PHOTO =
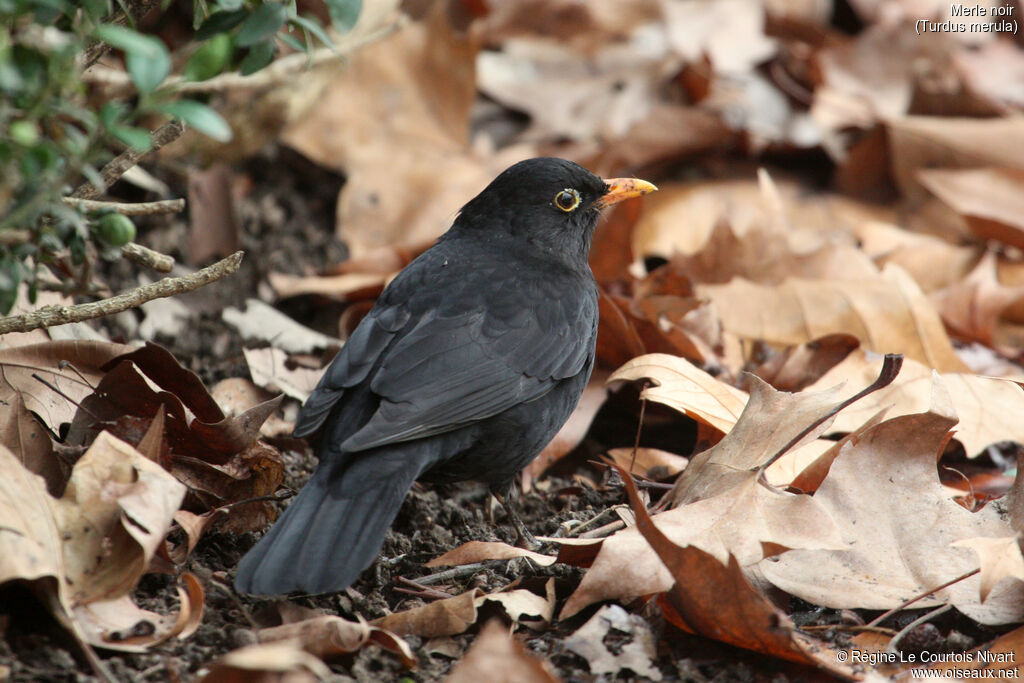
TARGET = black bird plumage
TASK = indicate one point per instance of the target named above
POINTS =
(466, 367)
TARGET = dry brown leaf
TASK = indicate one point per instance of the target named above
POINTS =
(457, 614)
(990, 199)
(115, 512)
(883, 493)
(496, 657)
(1000, 558)
(714, 599)
(30, 542)
(988, 408)
(888, 314)
(769, 422)
(119, 624)
(997, 659)
(634, 655)
(568, 94)
(797, 367)
(265, 323)
(328, 636)
(680, 218)
(441, 618)
(283, 662)
(972, 307)
(29, 442)
(478, 551)
(651, 463)
(934, 263)
(682, 386)
(269, 369)
(395, 121)
(18, 364)
(749, 520)
(722, 508)
(343, 287)
(920, 142)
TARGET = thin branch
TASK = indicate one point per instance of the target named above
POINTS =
(50, 316)
(277, 72)
(890, 368)
(139, 8)
(10, 238)
(148, 258)
(119, 165)
(882, 617)
(129, 209)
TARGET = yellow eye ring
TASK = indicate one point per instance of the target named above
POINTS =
(567, 200)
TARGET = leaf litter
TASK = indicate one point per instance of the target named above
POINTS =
(886, 223)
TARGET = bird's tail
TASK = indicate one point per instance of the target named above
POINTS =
(334, 528)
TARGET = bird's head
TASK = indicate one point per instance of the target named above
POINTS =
(553, 203)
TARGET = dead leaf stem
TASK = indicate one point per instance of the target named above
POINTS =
(878, 620)
(51, 316)
(890, 368)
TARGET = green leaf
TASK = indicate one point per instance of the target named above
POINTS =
(229, 5)
(314, 28)
(133, 137)
(147, 58)
(344, 13)
(220, 22)
(259, 56)
(264, 21)
(10, 276)
(147, 73)
(210, 59)
(132, 42)
(199, 116)
(292, 42)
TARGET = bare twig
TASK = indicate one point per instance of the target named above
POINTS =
(50, 316)
(453, 573)
(10, 238)
(882, 617)
(144, 256)
(138, 8)
(890, 368)
(167, 133)
(129, 209)
(277, 72)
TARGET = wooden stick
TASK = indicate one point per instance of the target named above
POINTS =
(51, 316)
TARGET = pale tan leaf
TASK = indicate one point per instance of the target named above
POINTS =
(681, 385)
(889, 474)
(990, 199)
(972, 307)
(496, 657)
(988, 408)
(115, 513)
(1000, 558)
(52, 361)
(479, 551)
(888, 314)
(268, 663)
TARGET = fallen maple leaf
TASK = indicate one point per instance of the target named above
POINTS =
(713, 598)
(987, 407)
(888, 314)
(496, 657)
(883, 493)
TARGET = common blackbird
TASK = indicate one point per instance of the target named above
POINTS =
(466, 367)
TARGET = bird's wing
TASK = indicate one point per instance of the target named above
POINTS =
(352, 365)
(476, 355)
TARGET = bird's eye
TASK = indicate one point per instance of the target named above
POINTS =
(567, 200)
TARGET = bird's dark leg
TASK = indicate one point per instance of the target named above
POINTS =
(506, 494)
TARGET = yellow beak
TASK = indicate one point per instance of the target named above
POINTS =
(623, 188)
